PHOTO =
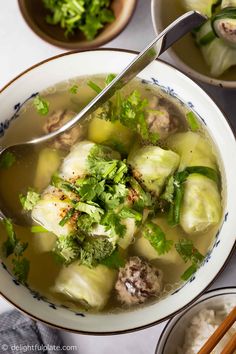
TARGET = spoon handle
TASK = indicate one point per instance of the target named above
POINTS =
(159, 45)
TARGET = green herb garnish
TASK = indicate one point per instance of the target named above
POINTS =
(38, 229)
(94, 250)
(41, 105)
(110, 78)
(114, 261)
(192, 121)
(157, 238)
(29, 200)
(94, 86)
(88, 16)
(67, 249)
(74, 89)
(7, 160)
(14, 247)
(189, 253)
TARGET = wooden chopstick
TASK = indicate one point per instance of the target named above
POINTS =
(219, 334)
(230, 347)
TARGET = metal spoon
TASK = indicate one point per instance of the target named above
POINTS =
(159, 45)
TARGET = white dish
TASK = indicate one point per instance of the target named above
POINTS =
(71, 65)
(173, 334)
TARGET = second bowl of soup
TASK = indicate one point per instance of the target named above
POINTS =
(126, 218)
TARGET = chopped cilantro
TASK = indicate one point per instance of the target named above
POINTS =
(74, 89)
(94, 250)
(94, 86)
(112, 222)
(114, 261)
(14, 247)
(142, 199)
(92, 209)
(21, 267)
(192, 121)
(41, 105)
(86, 16)
(189, 253)
(168, 194)
(130, 213)
(110, 78)
(10, 244)
(7, 159)
(67, 217)
(38, 229)
(29, 200)
(189, 272)
(67, 249)
(154, 234)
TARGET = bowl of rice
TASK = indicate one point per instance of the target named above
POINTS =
(188, 332)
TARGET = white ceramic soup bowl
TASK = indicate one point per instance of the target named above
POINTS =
(169, 79)
(173, 334)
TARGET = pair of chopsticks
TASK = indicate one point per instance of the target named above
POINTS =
(219, 333)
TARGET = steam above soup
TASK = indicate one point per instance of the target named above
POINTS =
(123, 207)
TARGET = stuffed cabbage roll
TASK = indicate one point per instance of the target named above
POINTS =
(224, 24)
(194, 150)
(152, 165)
(201, 208)
(49, 211)
(76, 163)
(218, 54)
(88, 285)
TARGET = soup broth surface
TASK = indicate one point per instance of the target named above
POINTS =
(44, 268)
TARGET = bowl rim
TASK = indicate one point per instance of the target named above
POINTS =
(206, 295)
(130, 330)
(73, 45)
(180, 64)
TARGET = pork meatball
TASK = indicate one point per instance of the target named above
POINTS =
(160, 120)
(138, 281)
(58, 119)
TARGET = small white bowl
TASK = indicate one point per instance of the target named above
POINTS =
(157, 9)
(70, 65)
(174, 332)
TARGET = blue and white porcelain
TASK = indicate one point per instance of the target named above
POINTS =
(64, 68)
(174, 332)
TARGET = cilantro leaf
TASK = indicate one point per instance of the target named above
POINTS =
(41, 105)
(189, 272)
(110, 78)
(112, 221)
(13, 246)
(29, 200)
(7, 160)
(74, 89)
(130, 213)
(154, 234)
(188, 252)
(114, 261)
(92, 209)
(192, 121)
(21, 267)
(10, 244)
